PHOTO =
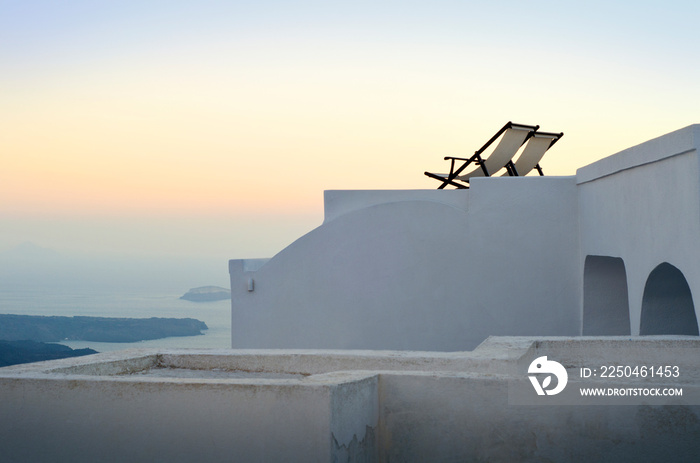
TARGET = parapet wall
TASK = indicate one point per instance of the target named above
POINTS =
(419, 270)
(353, 406)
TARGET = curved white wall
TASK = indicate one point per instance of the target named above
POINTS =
(411, 271)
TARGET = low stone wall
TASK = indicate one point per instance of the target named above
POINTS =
(310, 405)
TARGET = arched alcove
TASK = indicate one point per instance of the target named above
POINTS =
(605, 298)
(667, 304)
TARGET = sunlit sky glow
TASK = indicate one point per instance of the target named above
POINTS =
(166, 124)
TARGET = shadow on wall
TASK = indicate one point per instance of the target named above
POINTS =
(667, 304)
(605, 297)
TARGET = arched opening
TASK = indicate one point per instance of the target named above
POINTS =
(605, 299)
(667, 304)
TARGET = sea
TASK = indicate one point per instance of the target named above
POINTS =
(126, 304)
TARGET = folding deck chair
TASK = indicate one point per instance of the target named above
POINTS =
(532, 154)
(513, 137)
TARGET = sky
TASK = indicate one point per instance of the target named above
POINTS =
(211, 128)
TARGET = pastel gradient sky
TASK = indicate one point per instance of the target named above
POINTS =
(213, 127)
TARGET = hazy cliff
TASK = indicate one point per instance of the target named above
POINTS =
(15, 352)
(207, 293)
(98, 329)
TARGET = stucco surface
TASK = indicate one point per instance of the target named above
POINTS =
(354, 406)
(646, 211)
(420, 274)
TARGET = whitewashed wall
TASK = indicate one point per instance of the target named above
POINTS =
(643, 205)
(419, 270)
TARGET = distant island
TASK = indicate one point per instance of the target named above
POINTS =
(15, 352)
(96, 329)
(206, 294)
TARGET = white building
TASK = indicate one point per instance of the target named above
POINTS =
(612, 250)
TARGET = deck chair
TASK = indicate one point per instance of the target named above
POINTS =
(532, 154)
(512, 138)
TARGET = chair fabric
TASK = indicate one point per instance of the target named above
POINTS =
(533, 153)
(511, 141)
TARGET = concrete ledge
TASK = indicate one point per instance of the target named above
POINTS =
(325, 405)
(340, 202)
(672, 144)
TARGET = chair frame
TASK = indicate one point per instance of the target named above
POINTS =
(477, 159)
